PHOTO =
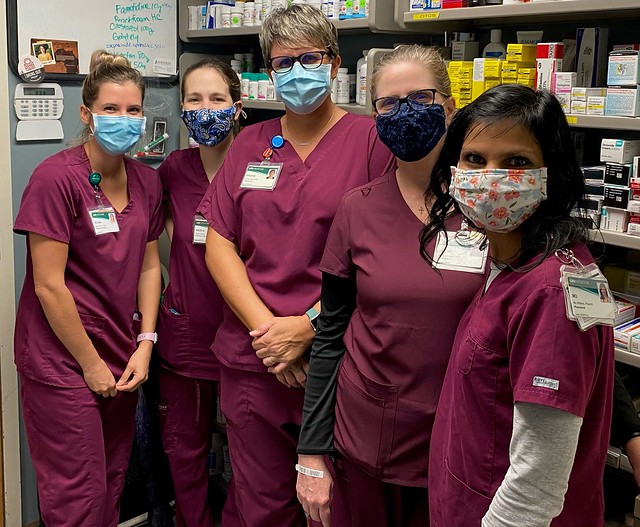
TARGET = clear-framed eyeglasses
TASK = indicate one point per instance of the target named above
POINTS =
(309, 61)
(416, 100)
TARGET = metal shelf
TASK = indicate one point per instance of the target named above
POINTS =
(276, 105)
(626, 357)
(529, 13)
(606, 122)
(615, 238)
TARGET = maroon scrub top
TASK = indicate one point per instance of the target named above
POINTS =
(515, 332)
(192, 308)
(102, 272)
(399, 338)
(281, 233)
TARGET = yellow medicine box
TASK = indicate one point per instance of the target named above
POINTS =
(521, 52)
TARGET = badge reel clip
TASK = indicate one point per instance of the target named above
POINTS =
(264, 175)
(588, 299)
(102, 218)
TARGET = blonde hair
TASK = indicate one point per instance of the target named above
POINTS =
(105, 67)
(429, 57)
(296, 26)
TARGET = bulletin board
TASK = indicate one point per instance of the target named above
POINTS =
(144, 31)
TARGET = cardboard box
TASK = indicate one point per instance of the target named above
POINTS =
(596, 105)
(619, 150)
(623, 68)
(623, 334)
(582, 94)
(591, 59)
(549, 50)
(636, 167)
(594, 172)
(614, 219)
(623, 102)
(578, 107)
(565, 101)
(463, 51)
(545, 70)
(484, 69)
(616, 197)
(522, 52)
(563, 81)
(617, 174)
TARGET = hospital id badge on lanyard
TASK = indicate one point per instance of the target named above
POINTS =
(103, 218)
(264, 175)
(460, 251)
(588, 299)
(200, 229)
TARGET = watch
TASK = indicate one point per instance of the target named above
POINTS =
(153, 337)
(313, 313)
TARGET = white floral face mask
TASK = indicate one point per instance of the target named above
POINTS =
(498, 200)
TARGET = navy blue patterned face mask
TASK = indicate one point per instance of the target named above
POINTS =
(209, 127)
(411, 134)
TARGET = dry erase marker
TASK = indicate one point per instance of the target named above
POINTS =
(156, 142)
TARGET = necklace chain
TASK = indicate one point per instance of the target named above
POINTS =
(312, 140)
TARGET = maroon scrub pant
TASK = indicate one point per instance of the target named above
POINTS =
(187, 415)
(375, 502)
(80, 445)
(263, 423)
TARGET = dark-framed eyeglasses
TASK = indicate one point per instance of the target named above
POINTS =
(309, 61)
(416, 99)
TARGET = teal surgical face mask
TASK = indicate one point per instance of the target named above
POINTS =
(116, 134)
(303, 90)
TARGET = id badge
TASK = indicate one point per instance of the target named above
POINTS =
(460, 253)
(590, 297)
(103, 220)
(200, 229)
(261, 176)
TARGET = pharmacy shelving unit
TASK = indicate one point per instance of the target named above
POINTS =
(381, 19)
(529, 13)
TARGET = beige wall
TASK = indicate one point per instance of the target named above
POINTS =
(8, 383)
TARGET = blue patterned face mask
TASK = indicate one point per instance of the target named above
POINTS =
(117, 134)
(411, 134)
(209, 127)
(303, 90)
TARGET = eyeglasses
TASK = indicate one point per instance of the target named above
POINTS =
(309, 61)
(416, 100)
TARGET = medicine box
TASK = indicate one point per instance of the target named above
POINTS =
(591, 57)
(623, 102)
(522, 52)
(616, 197)
(421, 5)
(636, 167)
(623, 68)
(596, 105)
(622, 334)
(594, 172)
(578, 107)
(617, 174)
(464, 50)
(563, 81)
(582, 94)
(619, 150)
(549, 50)
(565, 101)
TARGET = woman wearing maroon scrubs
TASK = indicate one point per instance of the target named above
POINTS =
(87, 313)
(388, 319)
(192, 308)
(264, 244)
(522, 427)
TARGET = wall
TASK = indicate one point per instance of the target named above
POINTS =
(24, 158)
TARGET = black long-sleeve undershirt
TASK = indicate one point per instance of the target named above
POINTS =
(338, 300)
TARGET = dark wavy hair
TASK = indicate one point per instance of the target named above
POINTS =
(551, 227)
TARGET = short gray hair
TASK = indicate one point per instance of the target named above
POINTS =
(429, 57)
(297, 26)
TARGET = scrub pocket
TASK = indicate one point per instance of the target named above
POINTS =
(476, 501)
(174, 338)
(94, 326)
(365, 419)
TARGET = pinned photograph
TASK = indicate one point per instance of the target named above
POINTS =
(43, 51)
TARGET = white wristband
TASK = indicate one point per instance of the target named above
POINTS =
(310, 471)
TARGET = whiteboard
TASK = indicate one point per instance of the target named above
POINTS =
(144, 31)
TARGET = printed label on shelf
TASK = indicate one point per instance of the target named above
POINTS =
(426, 16)
(572, 119)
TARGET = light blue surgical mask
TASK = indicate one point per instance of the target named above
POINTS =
(116, 134)
(303, 90)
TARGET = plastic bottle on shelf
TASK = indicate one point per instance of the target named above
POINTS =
(236, 14)
(248, 15)
(236, 65)
(362, 60)
(495, 49)
(352, 87)
(334, 90)
(342, 96)
(244, 85)
(362, 84)
(263, 86)
(257, 15)
(248, 62)
(253, 86)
